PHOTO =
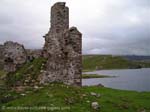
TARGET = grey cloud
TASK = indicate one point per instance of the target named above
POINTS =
(108, 27)
(21, 21)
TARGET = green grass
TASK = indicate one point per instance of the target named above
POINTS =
(79, 99)
(2, 75)
(87, 76)
(93, 62)
(121, 101)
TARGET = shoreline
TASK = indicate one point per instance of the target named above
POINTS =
(84, 71)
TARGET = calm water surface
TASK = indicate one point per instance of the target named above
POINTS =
(128, 79)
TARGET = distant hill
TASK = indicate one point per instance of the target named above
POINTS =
(98, 62)
(137, 58)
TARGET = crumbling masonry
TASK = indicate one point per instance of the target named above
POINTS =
(14, 56)
(62, 49)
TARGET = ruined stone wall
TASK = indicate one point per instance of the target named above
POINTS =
(62, 48)
(72, 51)
(33, 53)
(14, 56)
(59, 23)
(1, 57)
(59, 17)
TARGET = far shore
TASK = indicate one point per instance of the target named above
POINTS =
(87, 76)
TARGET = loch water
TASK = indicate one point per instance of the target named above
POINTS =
(126, 79)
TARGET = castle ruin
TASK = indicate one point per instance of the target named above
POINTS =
(62, 48)
(14, 56)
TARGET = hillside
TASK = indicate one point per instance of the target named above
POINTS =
(63, 98)
(137, 58)
(98, 62)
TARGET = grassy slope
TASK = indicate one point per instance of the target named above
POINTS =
(90, 62)
(58, 95)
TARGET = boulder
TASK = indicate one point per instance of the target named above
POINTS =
(95, 106)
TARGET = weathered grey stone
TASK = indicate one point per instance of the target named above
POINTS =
(33, 53)
(36, 87)
(95, 94)
(62, 49)
(1, 56)
(23, 94)
(100, 85)
(14, 56)
(95, 106)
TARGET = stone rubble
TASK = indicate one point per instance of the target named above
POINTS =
(95, 94)
(95, 105)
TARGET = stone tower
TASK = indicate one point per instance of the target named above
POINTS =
(59, 17)
(62, 49)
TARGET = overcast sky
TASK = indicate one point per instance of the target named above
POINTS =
(108, 26)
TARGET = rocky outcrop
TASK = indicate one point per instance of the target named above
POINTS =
(95, 106)
(14, 56)
(62, 48)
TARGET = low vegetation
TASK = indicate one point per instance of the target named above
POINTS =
(2, 73)
(87, 76)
